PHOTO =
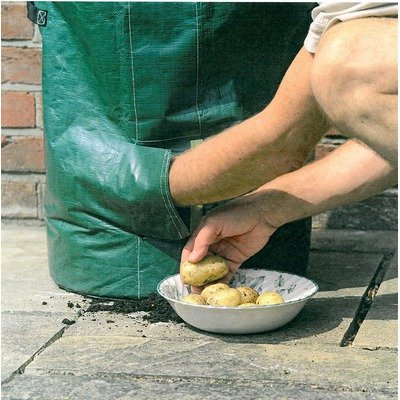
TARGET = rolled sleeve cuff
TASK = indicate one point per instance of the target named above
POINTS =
(328, 14)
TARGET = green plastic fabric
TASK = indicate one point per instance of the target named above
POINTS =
(126, 85)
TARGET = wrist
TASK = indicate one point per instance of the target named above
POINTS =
(278, 206)
(183, 191)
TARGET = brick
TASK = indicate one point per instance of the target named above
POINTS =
(23, 154)
(18, 199)
(21, 65)
(18, 110)
(14, 23)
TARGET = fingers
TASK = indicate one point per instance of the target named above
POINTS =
(231, 253)
(199, 243)
(226, 279)
(196, 289)
(189, 244)
(185, 253)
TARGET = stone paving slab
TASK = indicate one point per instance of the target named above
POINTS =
(25, 279)
(325, 317)
(380, 328)
(22, 336)
(313, 322)
(24, 295)
(320, 365)
(336, 270)
(354, 241)
(33, 307)
(121, 387)
(103, 354)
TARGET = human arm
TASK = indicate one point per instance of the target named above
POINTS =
(240, 228)
(273, 142)
(351, 83)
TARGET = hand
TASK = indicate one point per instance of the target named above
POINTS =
(236, 231)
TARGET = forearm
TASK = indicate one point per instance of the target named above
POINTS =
(272, 143)
(351, 173)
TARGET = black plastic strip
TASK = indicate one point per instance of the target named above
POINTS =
(37, 16)
(366, 301)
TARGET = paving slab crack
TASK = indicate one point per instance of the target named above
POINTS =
(366, 300)
(58, 335)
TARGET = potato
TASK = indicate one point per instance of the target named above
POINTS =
(247, 305)
(209, 290)
(209, 269)
(228, 298)
(193, 299)
(249, 295)
(266, 298)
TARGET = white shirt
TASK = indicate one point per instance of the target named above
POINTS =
(332, 12)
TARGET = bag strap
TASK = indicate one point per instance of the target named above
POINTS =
(36, 15)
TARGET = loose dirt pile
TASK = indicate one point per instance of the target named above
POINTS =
(157, 308)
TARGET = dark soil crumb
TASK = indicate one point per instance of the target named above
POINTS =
(77, 305)
(70, 304)
(67, 321)
(44, 303)
(158, 308)
(110, 321)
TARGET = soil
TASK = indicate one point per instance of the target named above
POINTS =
(156, 307)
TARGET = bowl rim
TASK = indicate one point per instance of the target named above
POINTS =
(258, 307)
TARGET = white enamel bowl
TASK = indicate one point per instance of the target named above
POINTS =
(294, 289)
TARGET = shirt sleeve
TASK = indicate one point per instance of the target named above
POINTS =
(329, 13)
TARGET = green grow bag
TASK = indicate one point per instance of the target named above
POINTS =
(126, 85)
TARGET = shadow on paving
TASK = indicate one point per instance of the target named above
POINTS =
(312, 321)
(334, 270)
(320, 315)
(339, 279)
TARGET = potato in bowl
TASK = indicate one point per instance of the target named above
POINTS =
(295, 290)
(209, 269)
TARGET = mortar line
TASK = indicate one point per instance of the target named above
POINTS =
(367, 300)
(21, 43)
(21, 87)
(13, 174)
(24, 132)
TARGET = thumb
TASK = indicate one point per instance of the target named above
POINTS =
(205, 237)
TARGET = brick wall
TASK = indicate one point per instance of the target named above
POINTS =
(22, 139)
(23, 178)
